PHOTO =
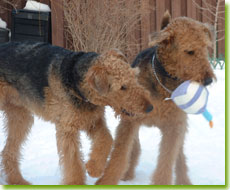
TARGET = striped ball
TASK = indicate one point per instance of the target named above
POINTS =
(191, 97)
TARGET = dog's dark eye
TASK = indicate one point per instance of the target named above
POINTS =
(190, 52)
(123, 87)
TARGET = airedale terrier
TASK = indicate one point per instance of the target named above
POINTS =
(177, 53)
(69, 89)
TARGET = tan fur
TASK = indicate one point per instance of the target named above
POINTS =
(102, 86)
(166, 19)
(174, 42)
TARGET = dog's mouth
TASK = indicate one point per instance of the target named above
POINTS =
(173, 77)
(125, 112)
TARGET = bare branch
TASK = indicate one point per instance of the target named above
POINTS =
(216, 11)
(219, 31)
(221, 12)
(221, 18)
(12, 3)
(220, 39)
(208, 18)
(199, 7)
(88, 28)
(211, 7)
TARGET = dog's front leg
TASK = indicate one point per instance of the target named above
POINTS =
(101, 147)
(133, 159)
(118, 163)
(172, 141)
(69, 155)
(182, 177)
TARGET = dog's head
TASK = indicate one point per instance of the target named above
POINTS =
(112, 81)
(183, 48)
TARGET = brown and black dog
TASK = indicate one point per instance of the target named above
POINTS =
(69, 89)
(179, 52)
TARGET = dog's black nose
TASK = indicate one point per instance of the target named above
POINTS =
(207, 81)
(149, 108)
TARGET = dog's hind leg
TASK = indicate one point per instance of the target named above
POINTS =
(181, 170)
(68, 145)
(101, 147)
(134, 156)
(172, 141)
(18, 124)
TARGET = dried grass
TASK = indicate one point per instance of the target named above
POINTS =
(7, 5)
(101, 25)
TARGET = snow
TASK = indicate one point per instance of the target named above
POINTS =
(204, 147)
(36, 6)
(2, 24)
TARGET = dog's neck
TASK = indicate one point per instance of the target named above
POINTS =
(73, 68)
(160, 72)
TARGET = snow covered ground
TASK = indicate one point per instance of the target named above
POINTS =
(204, 147)
(2, 23)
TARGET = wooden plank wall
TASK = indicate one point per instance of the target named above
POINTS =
(5, 9)
(221, 44)
(180, 8)
(149, 23)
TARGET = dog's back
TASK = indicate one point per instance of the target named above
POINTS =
(25, 65)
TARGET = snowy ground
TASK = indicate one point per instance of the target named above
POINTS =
(204, 147)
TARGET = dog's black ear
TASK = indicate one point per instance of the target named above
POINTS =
(99, 80)
(165, 20)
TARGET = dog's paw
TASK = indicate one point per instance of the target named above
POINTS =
(73, 183)
(18, 182)
(24, 182)
(103, 181)
(160, 179)
(128, 176)
(94, 169)
(99, 182)
(107, 180)
(184, 181)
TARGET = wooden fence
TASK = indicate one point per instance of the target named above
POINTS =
(149, 22)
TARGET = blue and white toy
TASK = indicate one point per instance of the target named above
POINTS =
(192, 98)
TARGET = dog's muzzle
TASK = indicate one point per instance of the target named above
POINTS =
(124, 111)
